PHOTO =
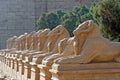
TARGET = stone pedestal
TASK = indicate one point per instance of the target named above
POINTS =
(45, 74)
(2, 62)
(8, 67)
(16, 64)
(5, 66)
(21, 69)
(15, 70)
(27, 70)
(12, 67)
(92, 71)
(35, 72)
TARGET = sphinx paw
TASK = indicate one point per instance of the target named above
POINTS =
(62, 61)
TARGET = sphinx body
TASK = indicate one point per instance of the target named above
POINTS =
(40, 36)
(50, 47)
(10, 46)
(67, 47)
(11, 42)
(95, 47)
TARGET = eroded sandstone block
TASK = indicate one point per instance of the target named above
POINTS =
(91, 71)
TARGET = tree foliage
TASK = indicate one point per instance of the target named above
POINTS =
(107, 14)
(70, 20)
(50, 19)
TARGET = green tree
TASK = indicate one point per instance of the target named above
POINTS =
(107, 14)
(50, 19)
(60, 13)
(72, 19)
(69, 22)
(41, 22)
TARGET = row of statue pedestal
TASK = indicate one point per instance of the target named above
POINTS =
(23, 70)
(56, 56)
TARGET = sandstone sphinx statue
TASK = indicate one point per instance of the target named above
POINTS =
(34, 40)
(11, 42)
(50, 47)
(20, 45)
(20, 42)
(95, 48)
(10, 46)
(34, 49)
(67, 47)
(42, 37)
(38, 45)
(30, 44)
(29, 40)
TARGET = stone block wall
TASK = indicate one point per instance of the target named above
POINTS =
(19, 16)
(16, 17)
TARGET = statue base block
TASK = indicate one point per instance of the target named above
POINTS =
(21, 67)
(35, 71)
(44, 72)
(92, 71)
(27, 70)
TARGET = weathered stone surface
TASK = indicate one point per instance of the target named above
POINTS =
(67, 47)
(54, 37)
(91, 62)
(50, 47)
(107, 51)
(92, 71)
(75, 58)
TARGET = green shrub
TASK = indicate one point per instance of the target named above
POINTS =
(70, 20)
(107, 14)
(50, 19)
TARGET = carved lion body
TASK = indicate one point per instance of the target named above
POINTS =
(67, 47)
(95, 48)
(50, 47)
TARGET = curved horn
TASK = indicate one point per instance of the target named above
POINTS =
(60, 29)
(87, 28)
(45, 32)
(56, 31)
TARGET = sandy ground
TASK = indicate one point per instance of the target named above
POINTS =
(4, 76)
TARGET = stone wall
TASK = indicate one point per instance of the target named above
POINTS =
(16, 17)
(19, 16)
